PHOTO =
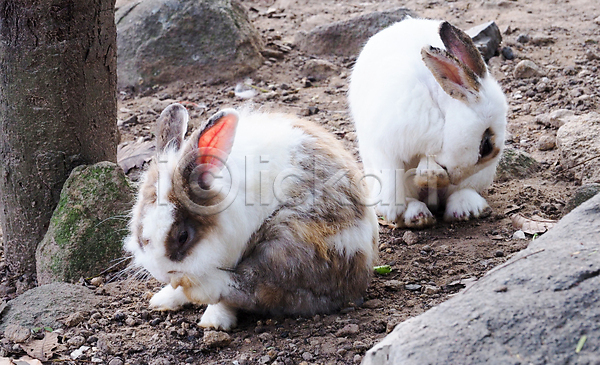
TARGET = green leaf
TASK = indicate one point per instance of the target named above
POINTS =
(383, 269)
(580, 343)
(48, 329)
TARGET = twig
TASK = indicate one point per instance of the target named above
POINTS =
(581, 163)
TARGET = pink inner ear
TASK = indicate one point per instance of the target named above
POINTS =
(215, 143)
(449, 70)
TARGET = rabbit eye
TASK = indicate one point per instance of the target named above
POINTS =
(487, 145)
(183, 237)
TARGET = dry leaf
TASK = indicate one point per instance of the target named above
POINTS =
(24, 360)
(42, 349)
(384, 223)
(135, 154)
(532, 225)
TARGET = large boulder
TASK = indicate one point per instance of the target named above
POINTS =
(88, 225)
(162, 41)
(47, 304)
(540, 307)
(578, 142)
(346, 38)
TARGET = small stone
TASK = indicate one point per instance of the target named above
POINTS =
(373, 303)
(76, 341)
(597, 20)
(526, 69)
(74, 319)
(115, 361)
(394, 285)
(359, 346)
(501, 289)
(17, 333)
(216, 338)
(96, 316)
(264, 359)
(348, 330)
(130, 321)
(427, 248)
(319, 69)
(519, 235)
(412, 287)
(499, 253)
(97, 281)
(307, 356)
(357, 358)
(119, 316)
(410, 238)
(79, 352)
(507, 53)
(431, 289)
(523, 38)
(155, 322)
(546, 143)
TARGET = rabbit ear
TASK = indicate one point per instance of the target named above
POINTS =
(457, 80)
(171, 127)
(216, 138)
(461, 46)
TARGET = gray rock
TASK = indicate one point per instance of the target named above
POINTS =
(548, 302)
(526, 69)
(515, 164)
(346, 38)
(74, 319)
(555, 119)
(87, 227)
(546, 143)
(393, 285)
(581, 195)
(578, 142)
(348, 330)
(45, 305)
(319, 69)
(487, 39)
(162, 41)
(17, 333)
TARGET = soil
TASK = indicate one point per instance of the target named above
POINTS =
(428, 266)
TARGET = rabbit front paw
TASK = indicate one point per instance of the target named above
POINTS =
(465, 204)
(219, 316)
(417, 215)
(168, 299)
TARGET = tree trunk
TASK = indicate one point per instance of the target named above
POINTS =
(57, 111)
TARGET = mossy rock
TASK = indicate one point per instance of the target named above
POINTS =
(515, 164)
(581, 195)
(88, 225)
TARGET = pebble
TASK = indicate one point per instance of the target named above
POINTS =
(499, 253)
(77, 353)
(348, 330)
(373, 303)
(119, 316)
(507, 53)
(410, 237)
(519, 235)
(359, 346)
(546, 143)
(17, 333)
(74, 319)
(526, 69)
(76, 341)
(523, 38)
(394, 285)
(115, 361)
(307, 356)
(412, 287)
(431, 289)
(597, 20)
(130, 321)
(216, 338)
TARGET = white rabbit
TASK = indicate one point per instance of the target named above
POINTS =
(260, 212)
(430, 122)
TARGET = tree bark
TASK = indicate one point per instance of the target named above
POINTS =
(57, 111)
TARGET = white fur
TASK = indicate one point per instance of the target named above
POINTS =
(168, 299)
(219, 316)
(403, 115)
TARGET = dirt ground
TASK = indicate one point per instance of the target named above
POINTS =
(429, 265)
